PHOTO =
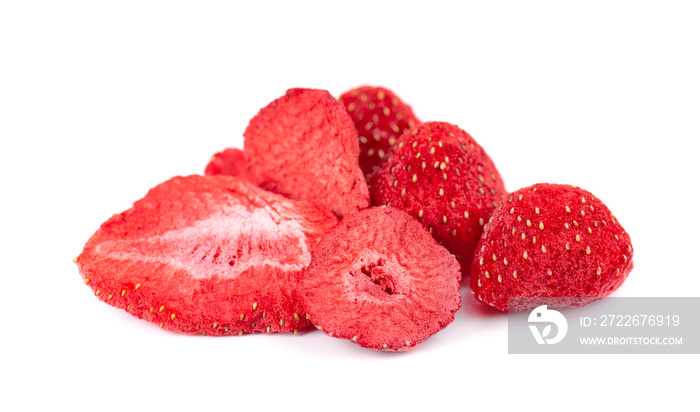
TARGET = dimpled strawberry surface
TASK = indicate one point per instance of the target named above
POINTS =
(208, 255)
(550, 240)
(304, 145)
(440, 175)
(379, 279)
(380, 118)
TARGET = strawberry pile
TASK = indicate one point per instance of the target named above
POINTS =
(352, 215)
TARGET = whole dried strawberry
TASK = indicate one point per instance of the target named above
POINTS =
(304, 146)
(207, 254)
(380, 280)
(550, 241)
(380, 118)
(438, 174)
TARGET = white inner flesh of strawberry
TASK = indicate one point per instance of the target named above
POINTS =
(375, 277)
(225, 244)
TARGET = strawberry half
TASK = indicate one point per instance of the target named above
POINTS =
(550, 241)
(213, 255)
(379, 279)
(304, 146)
(380, 118)
(438, 174)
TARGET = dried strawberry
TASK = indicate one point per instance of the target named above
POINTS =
(207, 254)
(304, 146)
(380, 280)
(438, 174)
(230, 162)
(550, 240)
(380, 118)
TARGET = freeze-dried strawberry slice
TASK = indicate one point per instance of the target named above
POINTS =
(438, 174)
(230, 162)
(304, 146)
(380, 280)
(550, 241)
(380, 118)
(207, 254)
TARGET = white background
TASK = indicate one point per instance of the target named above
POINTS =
(99, 101)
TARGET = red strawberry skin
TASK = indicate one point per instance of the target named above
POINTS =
(230, 162)
(207, 255)
(380, 118)
(379, 279)
(304, 145)
(550, 241)
(440, 175)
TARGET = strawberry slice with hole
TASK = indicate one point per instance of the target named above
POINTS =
(380, 280)
(208, 255)
(380, 118)
(304, 145)
(550, 241)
